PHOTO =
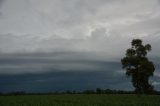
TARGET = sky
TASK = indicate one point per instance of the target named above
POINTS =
(57, 45)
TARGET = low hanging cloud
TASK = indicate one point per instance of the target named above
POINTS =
(52, 36)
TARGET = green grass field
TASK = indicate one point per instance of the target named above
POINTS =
(80, 100)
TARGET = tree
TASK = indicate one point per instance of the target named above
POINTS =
(138, 66)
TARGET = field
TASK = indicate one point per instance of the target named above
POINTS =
(80, 100)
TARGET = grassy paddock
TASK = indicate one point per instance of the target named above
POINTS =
(80, 100)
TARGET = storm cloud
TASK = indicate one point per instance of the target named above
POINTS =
(73, 37)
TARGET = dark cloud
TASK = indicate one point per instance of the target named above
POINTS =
(60, 61)
(63, 71)
(59, 71)
(61, 81)
(56, 44)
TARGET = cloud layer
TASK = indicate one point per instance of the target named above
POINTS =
(84, 36)
(76, 25)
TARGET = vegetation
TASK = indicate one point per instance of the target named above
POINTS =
(79, 100)
(138, 66)
(97, 91)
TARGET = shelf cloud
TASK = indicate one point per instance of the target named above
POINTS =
(88, 36)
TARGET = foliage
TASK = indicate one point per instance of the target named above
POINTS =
(138, 66)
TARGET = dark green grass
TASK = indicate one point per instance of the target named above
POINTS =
(80, 100)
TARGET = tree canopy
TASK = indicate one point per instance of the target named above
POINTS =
(138, 66)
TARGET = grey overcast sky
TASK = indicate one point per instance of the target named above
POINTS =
(50, 45)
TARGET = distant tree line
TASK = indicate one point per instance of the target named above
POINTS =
(97, 91)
